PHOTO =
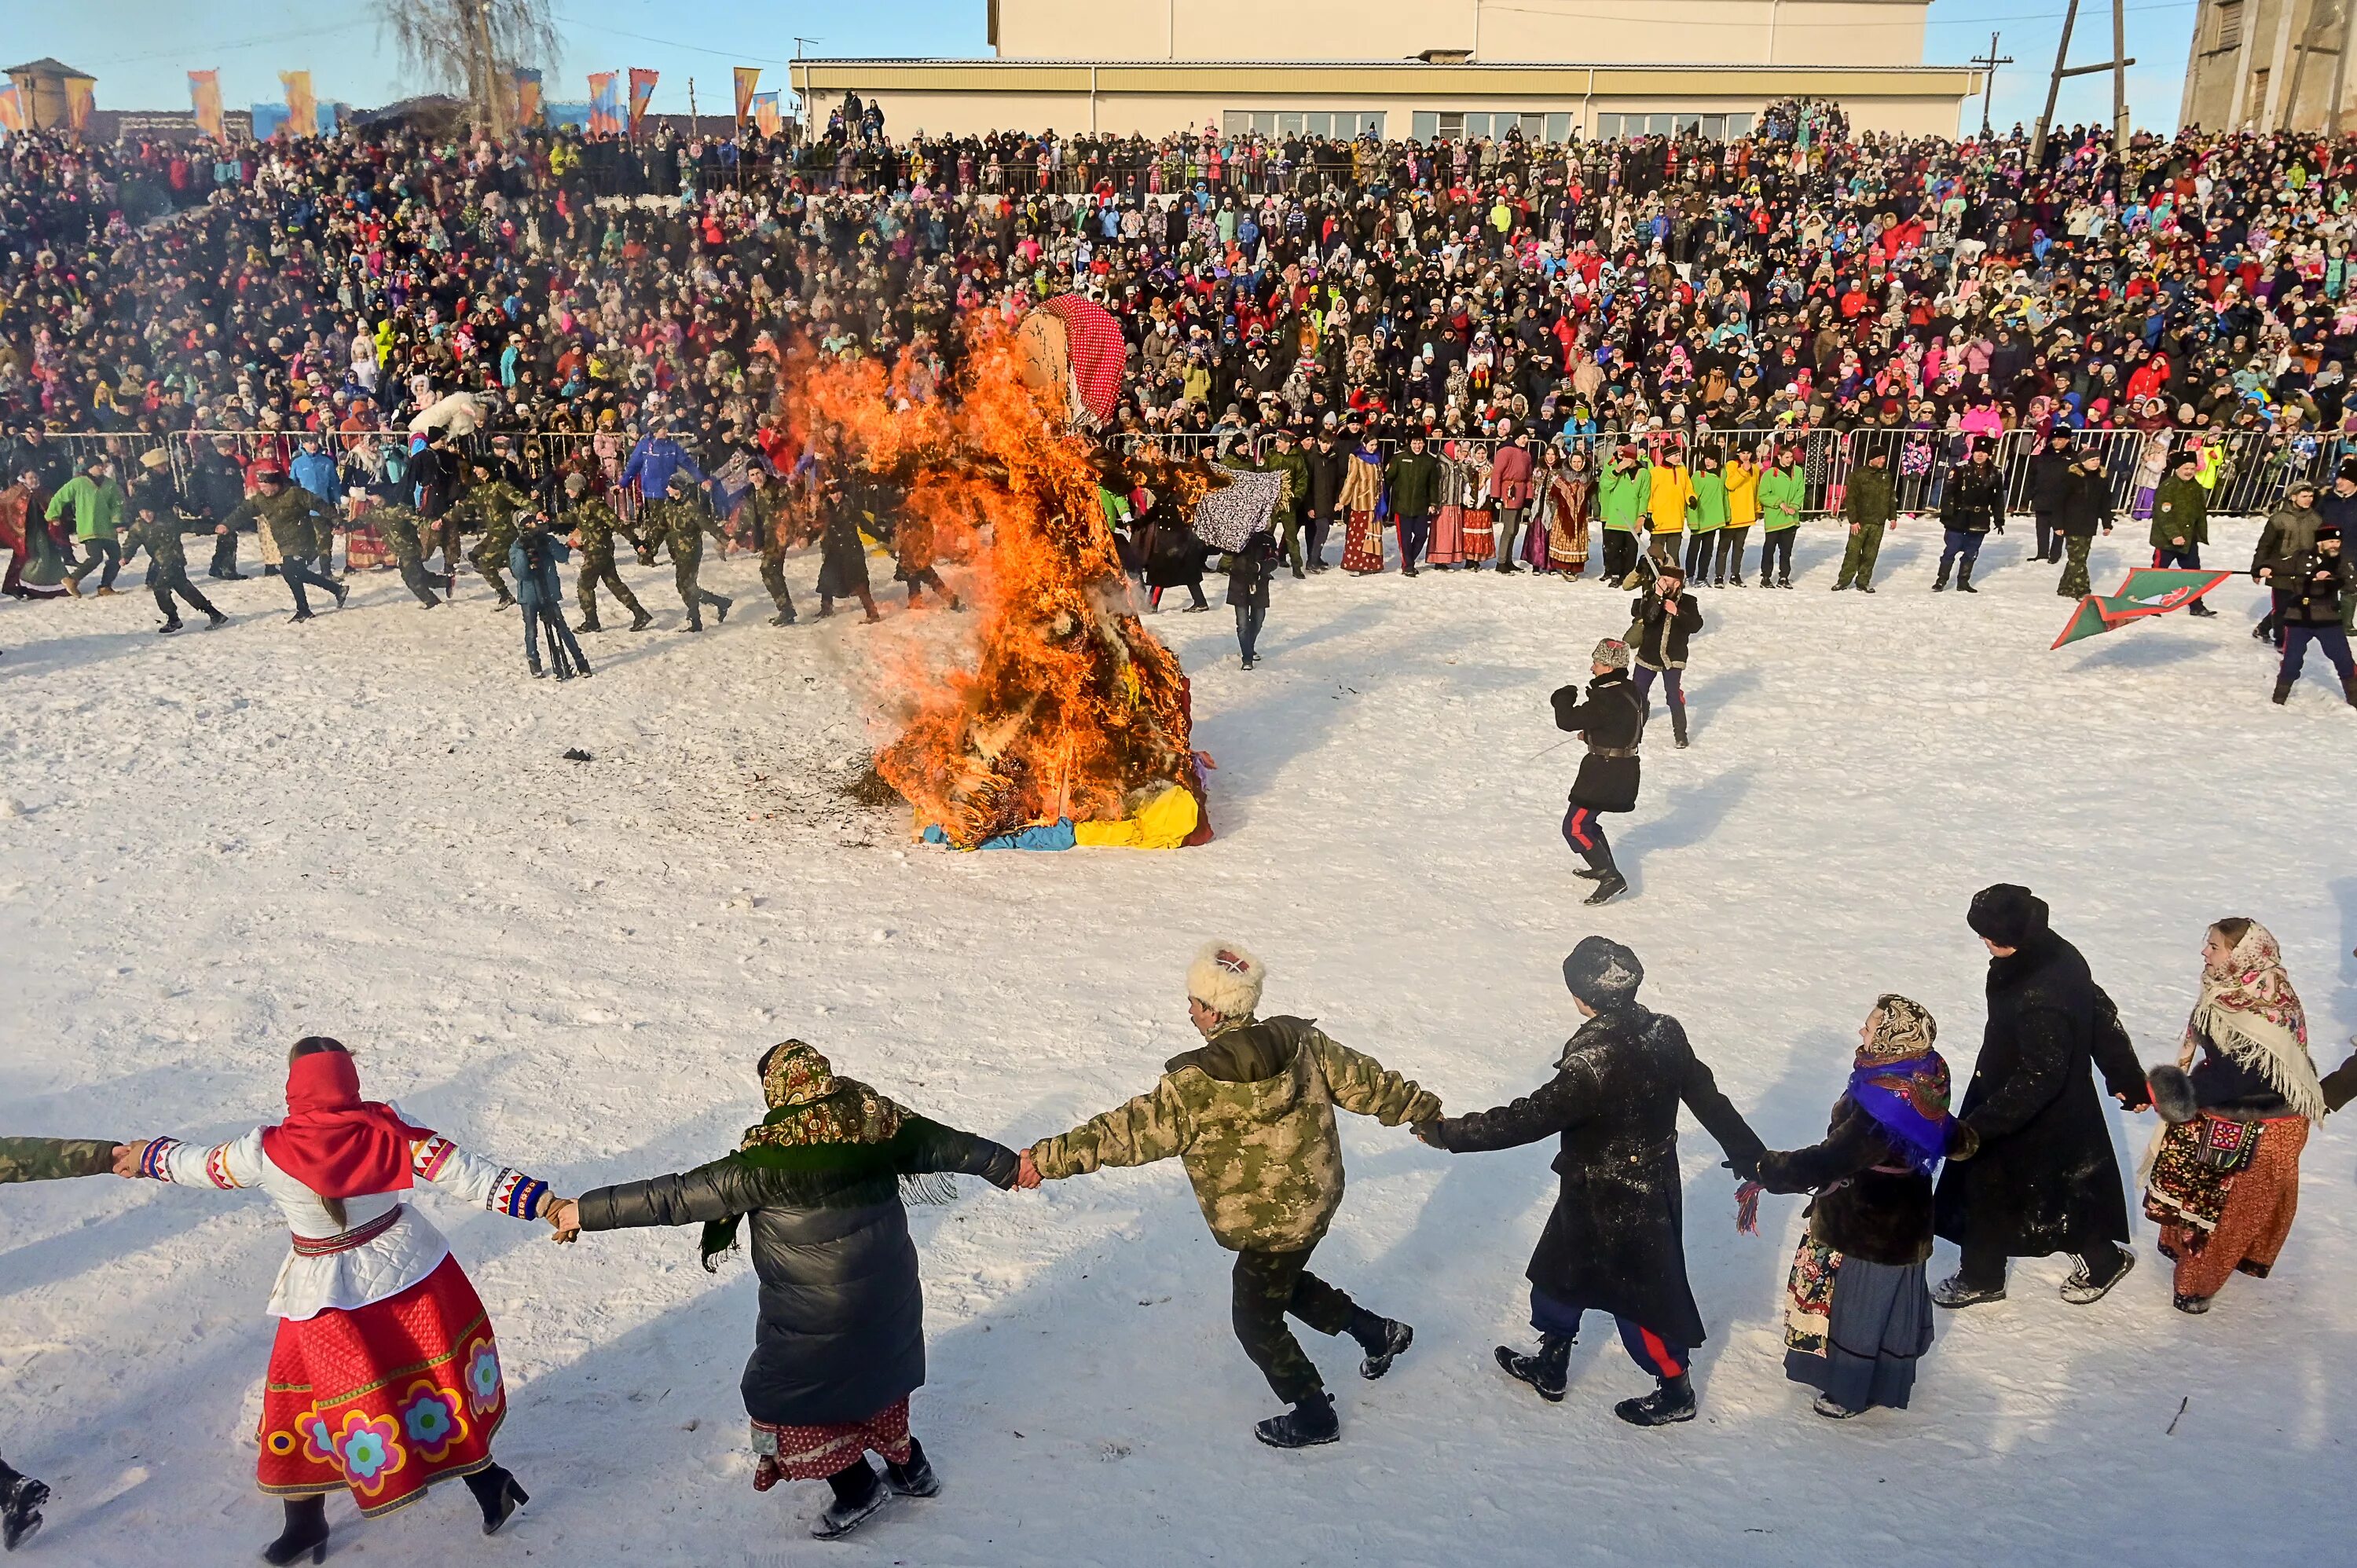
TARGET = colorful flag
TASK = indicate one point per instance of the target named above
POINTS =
(604, 109)
(302, 109)
(749, 77)
(2148, 591)
(768, 118)
(80, 95)
(527, 97)
(204, 98)
(269, 119)
(643, 92)
(12, 109)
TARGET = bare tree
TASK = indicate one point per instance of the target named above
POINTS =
(471, 46)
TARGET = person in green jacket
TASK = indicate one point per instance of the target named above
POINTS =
(1286, 458)
(1622, 493)
(1868, 507)
(1250, 1114)
(95, 502)
(1707, 518)
(2180, 522)
(1783, 491)
(41, 1159)
(1414, 479)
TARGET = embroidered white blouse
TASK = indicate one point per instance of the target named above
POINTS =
(386, 1263)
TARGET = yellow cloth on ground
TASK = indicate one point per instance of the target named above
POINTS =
(1162, 822)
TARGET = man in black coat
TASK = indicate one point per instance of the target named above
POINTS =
(1612, 721)
(1971, 504)
(2086, 506)
(2050, 489)
(1249, 570)
(1327, 463)
(1615, 1242)
(2045, 1180)
(216, 488)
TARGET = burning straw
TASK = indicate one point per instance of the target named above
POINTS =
(1063, 705)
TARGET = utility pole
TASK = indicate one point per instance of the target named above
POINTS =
(2117, 65)
(2120, 63)
(695, 124)
(1988, 64)
(2340, 69)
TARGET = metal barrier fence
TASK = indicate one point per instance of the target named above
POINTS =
(2257, 467)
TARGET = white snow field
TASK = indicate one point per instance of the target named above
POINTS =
(214, 844)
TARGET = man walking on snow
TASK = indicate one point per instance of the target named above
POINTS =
(1250, 1113)
(1612, 720)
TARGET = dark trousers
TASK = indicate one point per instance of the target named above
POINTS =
(423, 583)
(1673, 687)
(1776, 548)
(166, 581)
(1414, 533)
(224, 554)
(1195, 587)
(924, 578)
(295, 570)
(1983, 1268)
(599, 570)
(105, 548)
(2330, 640)
(1959, 544)
(692, 594)
(1584, 830)
(2189, 559)
(1619, 553)
(1731, 553)
(1319, 524)
(1650, 1350)
(1268, 1286)
(561, 643)
(2049, 537)
(1248, 623)
(1700, 548)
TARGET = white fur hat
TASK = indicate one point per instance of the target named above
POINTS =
(1226, 979)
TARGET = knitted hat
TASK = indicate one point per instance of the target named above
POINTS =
(1227, 978)
(1602, 973)
(1611, 651)
(2009, 916)
(576, 483)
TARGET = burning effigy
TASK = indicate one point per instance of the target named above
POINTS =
(1062, 720)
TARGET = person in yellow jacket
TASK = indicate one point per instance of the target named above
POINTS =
(1742, 510)
(1669, 503)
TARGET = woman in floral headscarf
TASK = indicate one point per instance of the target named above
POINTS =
(1858, 1314)
(2223, 1176)
(840, 1344)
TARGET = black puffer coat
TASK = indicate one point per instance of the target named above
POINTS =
(842, 1329)
(1616, 1241)
(2045, 1180)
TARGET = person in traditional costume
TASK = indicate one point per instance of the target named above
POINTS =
(1858, 1313)
(1479, 524)
(840, 1344)
(1361, 504)
(1447, 545)
(384, 1377)
(1568, 502)
(2223, 1176)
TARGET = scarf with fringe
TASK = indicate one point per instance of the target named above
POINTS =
(2249, 1012)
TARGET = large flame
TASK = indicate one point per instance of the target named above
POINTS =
(1063, 704)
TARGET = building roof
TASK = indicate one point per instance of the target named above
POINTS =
(46, 65)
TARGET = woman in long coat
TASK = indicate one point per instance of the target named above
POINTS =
(840, 1343)
(1569, 505)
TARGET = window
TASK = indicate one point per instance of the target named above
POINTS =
(1370, 125)
(1660, 125)
(1686, 123)
(1558, 128)
(1424, 126)
(1265, 123)
(1533, 126)
(1476, 126)
(1319, 124)
(2230, 25)
(1714, 127)
(1289, 125)
(1234, 123)
(1452, 128)
(1608, 128)
(1738, 124)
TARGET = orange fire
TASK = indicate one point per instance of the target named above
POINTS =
(1064, 704)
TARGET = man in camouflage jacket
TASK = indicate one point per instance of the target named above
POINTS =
(300, 524)
(592, 524)
(682, 519)
(492, 504)
(156, 526)
(41, 1159)
(1251, 1116)
(769, 517)
(406, 534)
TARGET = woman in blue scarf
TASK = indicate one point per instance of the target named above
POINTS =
(1858, 1314)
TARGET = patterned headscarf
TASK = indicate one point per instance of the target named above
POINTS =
(808, 1104)
(2249, 1011)
(1900, 1081)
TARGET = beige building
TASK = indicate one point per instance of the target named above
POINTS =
(1414, 68)
(2267, 64)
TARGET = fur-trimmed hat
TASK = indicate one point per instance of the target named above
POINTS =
(2008, 915)
(1611, 651)
(1227, 978)
(1602, 973)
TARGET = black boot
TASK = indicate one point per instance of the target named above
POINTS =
(1672, 1401)
(496, 1493)
(1384, 1341)
(1608, 887)
(2349, 689)
(1678, 728)
(214, 619)
(915, 1478)
(21, 1497)
(2198, 608)
(1546, 1372)
(1939, 584)
(306, 1533)
(168, 628)
(720, 612)
(588, 623)
(640, 621)
(1965, 579)
(857, 1495)
(783, 617)
(2283, 693)
(1307, 1424)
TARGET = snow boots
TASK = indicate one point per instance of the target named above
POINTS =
(21, 1497)
(306, 1534)
(2349, 691)
(2283, 693)
(1955, 1292)
(1964, 578)
(1610, 885)
(1306, 1424)
(497, 1494)
(1547, 1371)
(857, 1495)
(1383, 1340)
(915, 1478)
(2082, 1288)
(1672, 1401)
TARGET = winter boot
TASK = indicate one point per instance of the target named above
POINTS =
(168, 628)
(214, 619)
(857, 1495)
(1589, 873)
(1672, 1401)
(1956, 1290)
(640, 621)
(694, 618)
(1305, 1426)
(783, 617)
(1678, 727)
(1832, 1409)
(306, 1534)
(1547, 1371)
(2349, 691)
(497, 1494)
(588, 623)
(915, 1478)
(2283, 693)
(1863, 587)
(720, 611)
(2083, 1289)
(342, 594)
(21, 1497)
(1965, 579)
(2198, 608)
(1781, 582)
(2194, 1305)
(301, 615)
(1384, 1341)
(1608, 887)
(1939, 584)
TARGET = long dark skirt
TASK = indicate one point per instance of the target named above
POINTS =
(1879, 1327)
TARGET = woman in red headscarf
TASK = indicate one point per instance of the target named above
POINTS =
(385, 1378)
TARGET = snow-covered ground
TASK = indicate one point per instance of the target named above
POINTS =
(212, 845)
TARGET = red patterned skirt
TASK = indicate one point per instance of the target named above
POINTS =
(814, 1452)
(1481, 536)
(1362, 544)
(385, 1399)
